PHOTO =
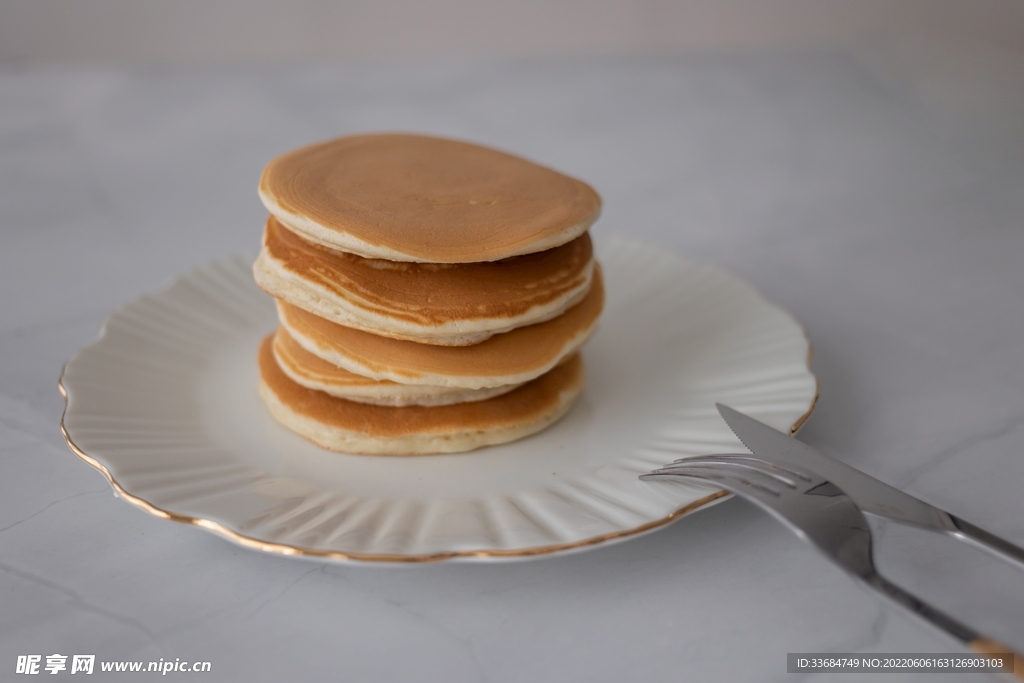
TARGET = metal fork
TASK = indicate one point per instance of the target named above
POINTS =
(819, 512)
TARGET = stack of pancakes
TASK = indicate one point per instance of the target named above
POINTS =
(432, 294)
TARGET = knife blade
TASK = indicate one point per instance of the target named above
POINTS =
(871, 495)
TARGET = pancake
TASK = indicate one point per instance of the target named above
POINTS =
(446, 304)
(425, 199)
(351, 427)
(510, 358)
(312, 372)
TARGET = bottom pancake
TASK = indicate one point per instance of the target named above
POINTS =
(350, 427)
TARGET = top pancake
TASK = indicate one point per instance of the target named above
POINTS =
(417, 198)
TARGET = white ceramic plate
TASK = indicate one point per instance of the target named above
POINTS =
(165, 404)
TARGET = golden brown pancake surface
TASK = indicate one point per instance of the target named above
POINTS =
(357, 427)
(423, 294)
(516, 356)
(417, 198)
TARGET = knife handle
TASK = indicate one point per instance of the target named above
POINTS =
(988, 541)
(987, 646)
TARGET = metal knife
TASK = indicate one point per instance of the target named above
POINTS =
(871, 495)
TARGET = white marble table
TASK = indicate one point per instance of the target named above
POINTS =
(894, 239)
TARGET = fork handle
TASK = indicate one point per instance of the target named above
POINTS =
(965, 634)
(987, 646)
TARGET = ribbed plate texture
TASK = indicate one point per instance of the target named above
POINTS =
(166, 402)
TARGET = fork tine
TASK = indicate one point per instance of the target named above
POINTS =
(751, 460)
(735, 469)
(784, 475)
(748, 482)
